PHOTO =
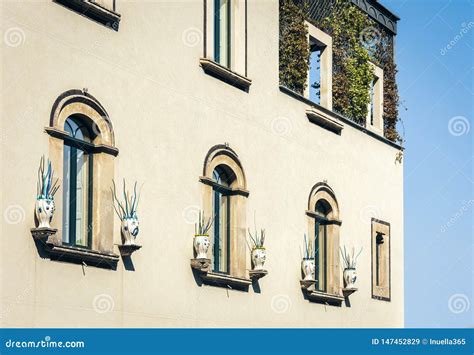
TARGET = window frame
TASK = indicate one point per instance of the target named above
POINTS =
(324, 41)
(80, 104)
(222, 156)
(321, 192)
(234, 72)
(374, 119)
(220, 191)
(381, 292)
(77, 144)
(217, 33)
(320, 221)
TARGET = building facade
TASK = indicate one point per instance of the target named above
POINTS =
(184, 97)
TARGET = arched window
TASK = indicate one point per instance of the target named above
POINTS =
(323, 225)
(77, 183)
(225, 197)
(322, 210)
(81, 146)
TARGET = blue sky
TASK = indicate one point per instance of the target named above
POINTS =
(435, 60)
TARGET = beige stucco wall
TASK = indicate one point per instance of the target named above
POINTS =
(167, 114)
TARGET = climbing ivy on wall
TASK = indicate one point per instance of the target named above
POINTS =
(383, 56)
(352, 72)
(294, 46)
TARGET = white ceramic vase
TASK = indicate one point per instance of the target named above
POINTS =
(130, 229)
(259, 255)
(201, 245)
(44, 209)
(350, 277)
(308, 268)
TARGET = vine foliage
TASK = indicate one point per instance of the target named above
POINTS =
(352, 72)
(294, 46)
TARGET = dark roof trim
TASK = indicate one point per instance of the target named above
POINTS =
(379, 13)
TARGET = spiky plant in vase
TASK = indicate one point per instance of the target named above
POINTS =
(350, 261)
(258, 251)
(46, 187)
(307, 264)
(201, 237)
(127, 212)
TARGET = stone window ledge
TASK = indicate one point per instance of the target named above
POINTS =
(321, 119)
(225, 280)
(225, 74)
(94, 11)
(326, 298)
(57, 251)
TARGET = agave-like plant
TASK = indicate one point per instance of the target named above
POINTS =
(258, 239)
(46, 186)
(127, 208)
(309, 250)
(203, 225)
(350, 258)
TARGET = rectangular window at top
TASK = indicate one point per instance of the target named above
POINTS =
(374, 119)
(222, 32)
(319, 77)
(317, 49)
(380, 260)
(372, 100)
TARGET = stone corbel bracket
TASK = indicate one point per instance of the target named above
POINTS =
(127, 250)
(255, 275)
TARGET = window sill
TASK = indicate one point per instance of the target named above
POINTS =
(203, 267)
(218, 71)
(321, 119)
(326, 298)
(61, 252)
(224, 280)
(93, 11)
